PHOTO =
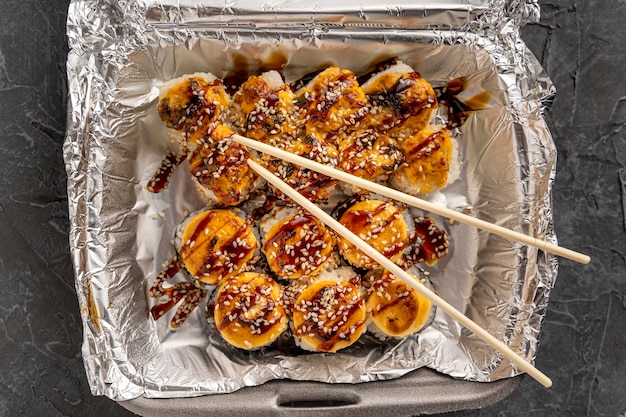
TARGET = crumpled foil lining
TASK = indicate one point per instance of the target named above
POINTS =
(122, 51)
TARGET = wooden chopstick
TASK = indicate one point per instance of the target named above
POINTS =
(410, 280)
(414, 201)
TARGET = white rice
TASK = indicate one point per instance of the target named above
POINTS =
(340, 274)
(180, 229)
(398, 68)
(208, 196)
(455, 163)
(276, 215)
(273, 78)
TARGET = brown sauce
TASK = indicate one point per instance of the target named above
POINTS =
(243, 67)
(275, 62)
(423, 149)
(161, 178)
(358, 219)
(238, 74)
(187, 291)
(433, 242)
(456, 113)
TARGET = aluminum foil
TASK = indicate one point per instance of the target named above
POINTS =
(122, 51)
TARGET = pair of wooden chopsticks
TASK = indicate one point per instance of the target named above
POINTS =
(410, 280)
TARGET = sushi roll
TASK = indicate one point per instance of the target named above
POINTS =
(296, 287)
(266, 109)
(312, 185)
(402, 102)
(328, 315)
(295, 243)
(428, 157)
(394, 309)
(379, 223)
(213, 245)
(220, 171)
(331, 103)
(369, 154)
(248, 313)
(192, 102)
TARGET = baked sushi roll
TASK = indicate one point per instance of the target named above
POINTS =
(248, 313)
(396, 310)
(296, 287)
(331, 103)
(328, 315)
(265, 107)
(428, 157)
(220, 170)
(311, 184)
(295, 243)
(369, 154)
(213, 245)
(191, 103)
(401, 101)
(379, 223)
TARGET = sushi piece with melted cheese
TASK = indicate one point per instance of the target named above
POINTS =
(394, 309)
(191, 103)
(380, 224)
(213, 245)
(220, 170)
(295, 243)
(428, 163)
(369, 154)
(328, 315)
(331, 103)
(296, 287)
(266, 109)
(402, 102)
(248, 312)
(311, 184)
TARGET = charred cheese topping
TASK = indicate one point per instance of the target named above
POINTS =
(267, 112)
(378, 223)
(427, 158)
(298, 246)
(396, 309)
(369, 154)
(190, 104)
(334, 102)
(248, 313)
(219, 166)
(329, 316)
(215, 245)
(401, 103)
(310, 184)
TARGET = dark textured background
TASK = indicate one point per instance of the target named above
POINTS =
(582, 45)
